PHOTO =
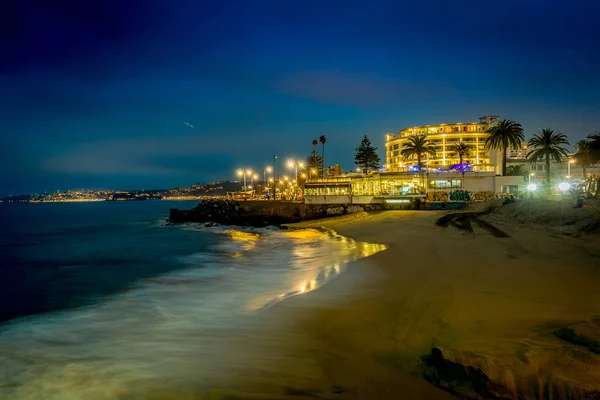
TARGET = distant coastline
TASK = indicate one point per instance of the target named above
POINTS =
(197, 191)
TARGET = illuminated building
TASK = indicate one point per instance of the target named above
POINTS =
(444, 137)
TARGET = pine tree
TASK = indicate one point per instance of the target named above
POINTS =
(366, 156)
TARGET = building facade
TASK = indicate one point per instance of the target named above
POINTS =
(382, 187)
(444, 137)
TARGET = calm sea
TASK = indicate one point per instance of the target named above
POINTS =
(98, 299)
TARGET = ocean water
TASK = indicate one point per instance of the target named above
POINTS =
(101, 300)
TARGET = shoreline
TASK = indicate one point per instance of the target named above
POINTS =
(489, 303)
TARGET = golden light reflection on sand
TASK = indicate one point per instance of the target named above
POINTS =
(248, 240)
(313, 273)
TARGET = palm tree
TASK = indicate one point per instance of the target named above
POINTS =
(323, 140)
(595, 153)
(517, 170)
(506, 133)
(462, 149)
(584, 156)
(546, 144)
(594, 140)
(416, 147)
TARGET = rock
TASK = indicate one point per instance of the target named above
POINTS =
(460, 380)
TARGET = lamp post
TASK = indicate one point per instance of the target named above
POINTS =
(240, 174)
(274, 176)
(248, 174)
(569, 168)
(530, 175)
(295, 164)
(265, 170)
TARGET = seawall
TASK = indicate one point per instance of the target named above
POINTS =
(258, 213)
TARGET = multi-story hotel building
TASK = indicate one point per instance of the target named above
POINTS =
(444, 137)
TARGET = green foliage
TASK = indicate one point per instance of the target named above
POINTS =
(323, 140)
(517, 170)
(594, 141)
(314, 162)
(462, 150)
(417, 147)
(365, 155)
(506, 133)
(547, 145)
(584, 156)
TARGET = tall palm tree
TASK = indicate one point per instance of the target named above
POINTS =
(416, 147)
(323, 140)
(462, 149)
(315, 143)
(584, 155)
(547, 144)
(594, 140)
(506, 133)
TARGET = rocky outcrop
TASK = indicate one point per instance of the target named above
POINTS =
(229, 212)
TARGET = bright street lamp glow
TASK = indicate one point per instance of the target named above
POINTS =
(563, 186)
(240, 172)
(249, 172)
(269, 169)
(531, 187)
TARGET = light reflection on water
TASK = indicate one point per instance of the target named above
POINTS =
(176, 327)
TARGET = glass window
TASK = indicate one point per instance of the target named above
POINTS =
(445, 183)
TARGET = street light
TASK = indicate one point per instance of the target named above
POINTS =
(569, 168)
(295, 164)
(563, 186)
(240, 174)
(530, 175)
(265, 170)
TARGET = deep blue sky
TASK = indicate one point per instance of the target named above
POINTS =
(95, 94)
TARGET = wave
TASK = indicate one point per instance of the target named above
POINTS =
(187, 325)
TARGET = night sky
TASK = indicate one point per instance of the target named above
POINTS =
(97, 94)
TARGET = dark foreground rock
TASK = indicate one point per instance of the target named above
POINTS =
(463, 381)
(468, 382)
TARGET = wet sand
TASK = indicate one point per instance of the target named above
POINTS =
(486, 302)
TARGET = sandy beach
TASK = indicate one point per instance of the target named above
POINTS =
(486, 302)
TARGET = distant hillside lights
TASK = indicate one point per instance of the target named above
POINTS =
(444, 138)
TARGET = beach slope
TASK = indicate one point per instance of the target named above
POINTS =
(522, 310)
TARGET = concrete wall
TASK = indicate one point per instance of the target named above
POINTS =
(366, 200)
(478, 183)
(314, 199)
(326, 200)
(507, 181)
